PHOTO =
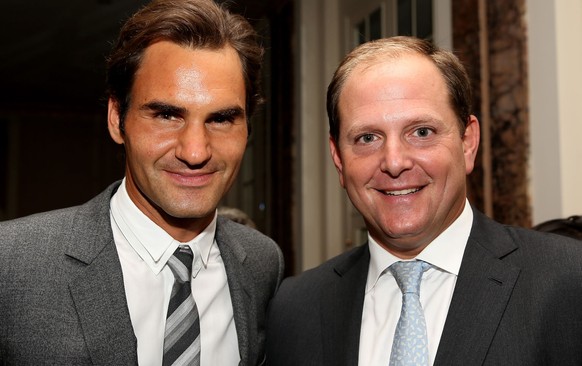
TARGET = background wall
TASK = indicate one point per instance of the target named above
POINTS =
(555, 69)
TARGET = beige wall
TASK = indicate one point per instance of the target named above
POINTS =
(555, 72)
(318, 195)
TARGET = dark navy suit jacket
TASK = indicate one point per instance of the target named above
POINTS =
(517, 301)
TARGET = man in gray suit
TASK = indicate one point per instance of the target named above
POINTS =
(403, 140)
(92, 284)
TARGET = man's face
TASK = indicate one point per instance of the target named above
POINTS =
(400, 155)
(185, 134)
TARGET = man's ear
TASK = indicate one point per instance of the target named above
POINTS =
(337, 159)
(471, 143)
(113, 121)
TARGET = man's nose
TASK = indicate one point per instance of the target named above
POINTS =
(396, 157)
(193, 146)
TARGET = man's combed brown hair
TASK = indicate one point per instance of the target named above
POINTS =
(192, 23)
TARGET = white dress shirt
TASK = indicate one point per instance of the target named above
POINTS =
(383, 298)
(144, 249)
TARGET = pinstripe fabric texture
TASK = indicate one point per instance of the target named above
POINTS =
(182, 336)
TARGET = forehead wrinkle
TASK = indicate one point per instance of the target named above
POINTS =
(414, 118)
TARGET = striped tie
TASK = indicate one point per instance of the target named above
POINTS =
(182, 337)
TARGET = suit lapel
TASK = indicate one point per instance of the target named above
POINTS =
(483, 289)
(240, 287)
(99, 298)
(341, 309)
(97, 287)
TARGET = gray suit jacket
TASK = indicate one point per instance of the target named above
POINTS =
(517, 301)
(62, 298)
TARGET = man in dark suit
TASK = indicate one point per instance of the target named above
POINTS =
(437, 282)
(98, 283)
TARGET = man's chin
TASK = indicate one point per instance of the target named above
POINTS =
(189, 214)
(402, 235)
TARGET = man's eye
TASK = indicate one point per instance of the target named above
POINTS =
(222, 119)
(367, 138)
(423, 132)
(166, 116)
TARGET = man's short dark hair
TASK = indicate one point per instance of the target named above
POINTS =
(192, 23)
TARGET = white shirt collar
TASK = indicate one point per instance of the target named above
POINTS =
(154, 245)
(445, 251)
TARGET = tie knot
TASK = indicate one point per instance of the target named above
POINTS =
(181, 263)
(408, 275)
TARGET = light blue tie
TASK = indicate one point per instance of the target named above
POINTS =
(410, 346)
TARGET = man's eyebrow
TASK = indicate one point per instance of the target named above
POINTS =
(164, 108)
(227, 113)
